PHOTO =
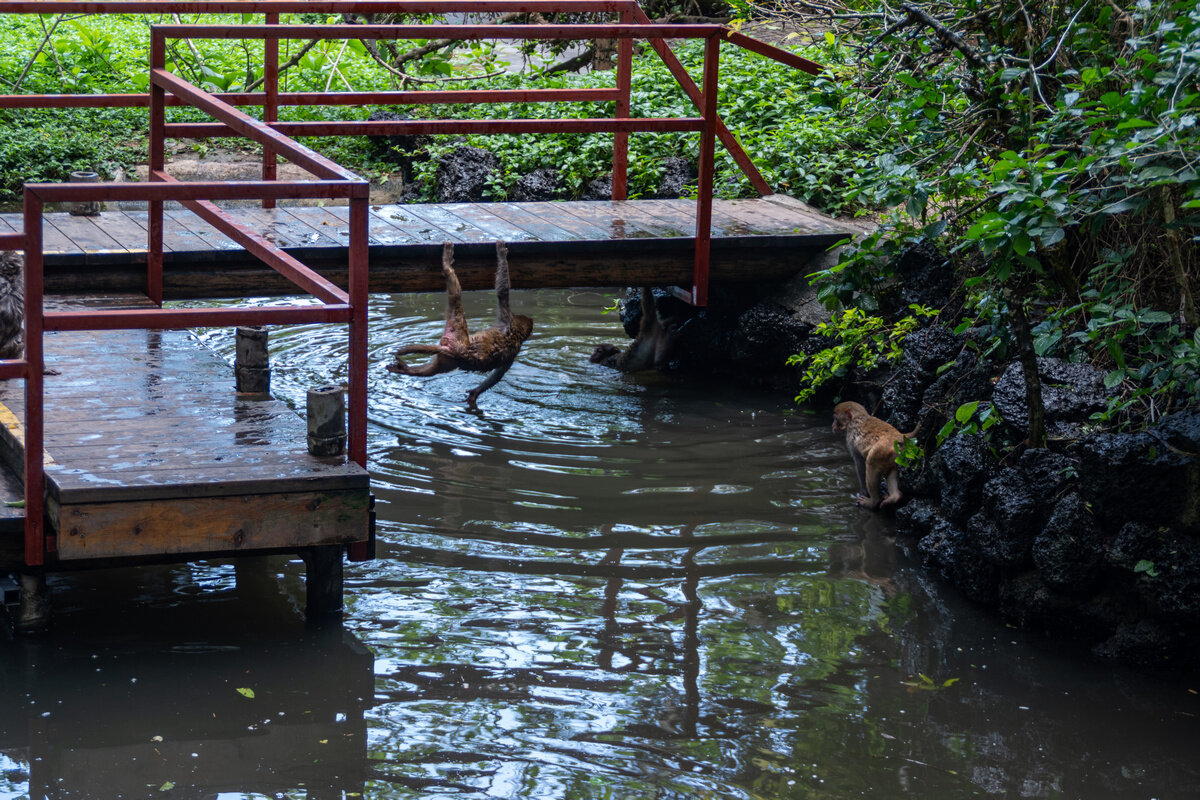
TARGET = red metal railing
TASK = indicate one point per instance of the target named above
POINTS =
(333, 181)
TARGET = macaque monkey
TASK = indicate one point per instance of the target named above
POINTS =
(492, 349)
(872, 445)
(651, 347)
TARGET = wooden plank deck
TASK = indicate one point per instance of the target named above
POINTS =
(559, 244)
(150, 452)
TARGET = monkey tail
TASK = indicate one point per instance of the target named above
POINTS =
(913, 433)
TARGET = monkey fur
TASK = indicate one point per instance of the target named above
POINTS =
(872, 445)
(650, 349)
(493, 349)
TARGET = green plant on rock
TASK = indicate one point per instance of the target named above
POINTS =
(857, 340)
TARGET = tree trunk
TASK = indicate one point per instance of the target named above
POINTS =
(1033, 380)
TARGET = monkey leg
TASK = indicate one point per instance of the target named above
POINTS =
(488, 382)
(456, 333)
(877, 465)
(893, 488)
(504, 315)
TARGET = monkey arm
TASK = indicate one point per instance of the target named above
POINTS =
(444, 360)
(490, 381)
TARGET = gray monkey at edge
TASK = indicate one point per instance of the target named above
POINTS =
(493, 349)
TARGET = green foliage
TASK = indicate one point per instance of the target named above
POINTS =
(857, 340)
(1055, 145)
(972, 417)
(1146, 567)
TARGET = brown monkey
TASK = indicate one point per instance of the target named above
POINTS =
(651, 347)
(492, 349)
(872, 445)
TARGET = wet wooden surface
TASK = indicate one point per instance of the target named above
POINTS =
(559, 244)
(150, 451)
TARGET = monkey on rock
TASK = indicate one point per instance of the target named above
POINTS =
(493, 349)
(872, 445)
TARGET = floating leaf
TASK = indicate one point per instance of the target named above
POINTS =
(244, 692)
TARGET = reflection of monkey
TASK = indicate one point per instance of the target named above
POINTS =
(493, 349)
(872, 445)
(649, 350)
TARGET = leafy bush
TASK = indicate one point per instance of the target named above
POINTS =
(1055, 145)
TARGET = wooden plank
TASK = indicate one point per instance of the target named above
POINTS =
(627, 216)
(542, 228)
(453, 227)
(206, 236)
(210, 525)
(91, 237)
(381, 233)
(413, 227)
(128, 232)
(280, 226)
(552, 223)
(489, 223)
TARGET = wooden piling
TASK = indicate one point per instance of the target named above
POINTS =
(326, 413)
(33, 612)
(252, 366)
(323, 581)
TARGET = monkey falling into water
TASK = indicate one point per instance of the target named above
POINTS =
(493, 349)
(872, 445)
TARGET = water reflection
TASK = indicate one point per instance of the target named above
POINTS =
(595, 587)
(184, 681)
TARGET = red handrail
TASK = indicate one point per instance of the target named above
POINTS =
(333, 181)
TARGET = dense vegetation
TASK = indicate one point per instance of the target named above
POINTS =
(1048, 150)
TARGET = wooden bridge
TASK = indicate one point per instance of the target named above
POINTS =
(551, 244)
(129, 445)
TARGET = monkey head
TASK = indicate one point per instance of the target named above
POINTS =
(845, 413)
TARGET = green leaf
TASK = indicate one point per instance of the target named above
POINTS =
(1154, 317)
(966, 411)
(244, 692)
(167, 786)
(1114, 378)
(1021, 243)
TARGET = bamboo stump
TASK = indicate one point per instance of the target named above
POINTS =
(252, 367)
(326, 413)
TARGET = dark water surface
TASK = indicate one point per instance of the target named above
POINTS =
(596, 587)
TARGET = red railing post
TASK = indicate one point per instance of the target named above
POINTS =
(35, 479)
(704, 197)
(158, 164)
(620, 170)
(270, 102)
(358, 329)
(357, 368)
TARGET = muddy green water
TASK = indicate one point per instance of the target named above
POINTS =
(596, 587)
